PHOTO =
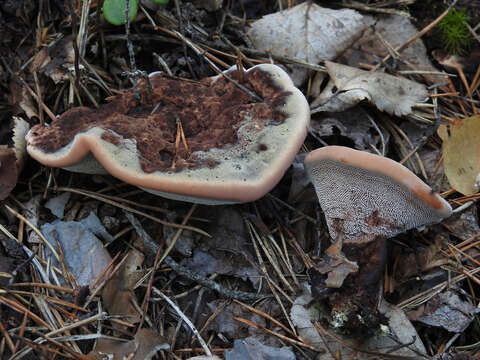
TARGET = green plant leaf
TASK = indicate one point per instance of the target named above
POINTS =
(114, 11)
(161, 1)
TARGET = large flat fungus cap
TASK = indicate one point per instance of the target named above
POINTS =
(366, 196)
(235, 149)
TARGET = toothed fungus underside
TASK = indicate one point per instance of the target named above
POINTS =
(366, 196)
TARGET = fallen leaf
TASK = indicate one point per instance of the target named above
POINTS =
(118, 292)
(433, 164)
(423, 259)
(399, 331)
(227, 252)
(226, 324)
(54, 61)
(32, 214)
(305, 310)
(461, 154)
(302, 313)
(307, 32)
(469, 64)
(464, 225)
(22, 100)
(338, 267)
(448, 311)
(348, 86)
(222, 263)
(395, 30)
(57, 204)
(251, 349)
(8, 173)
(144, 346)
(352, 124)
(84, 252)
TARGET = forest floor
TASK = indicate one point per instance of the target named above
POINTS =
(92, 266)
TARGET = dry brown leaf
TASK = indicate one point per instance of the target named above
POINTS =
(8, 171)
(448, 311)
(118, 292)
(395, 30)
(54, 61)
(461, 154)
(307, 32)
(305, 310)
(145, 344)
(348, 86)
(22, 101)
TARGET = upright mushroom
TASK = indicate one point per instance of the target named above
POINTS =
(366, 199)
(365, 196)
(207, 142)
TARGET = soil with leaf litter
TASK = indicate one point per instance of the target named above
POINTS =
(91, 266)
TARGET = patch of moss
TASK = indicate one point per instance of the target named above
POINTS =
(454, 32)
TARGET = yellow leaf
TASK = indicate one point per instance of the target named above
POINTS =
(461, 154)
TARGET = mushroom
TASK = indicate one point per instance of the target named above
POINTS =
(365, 196)
(366, 199)
(12, 157)
(208, 142)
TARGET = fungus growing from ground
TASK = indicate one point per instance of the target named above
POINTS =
(366, 196)
(12, 157)
(366, 199)
(208, 141)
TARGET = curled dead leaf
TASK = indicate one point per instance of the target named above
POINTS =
(348, 86)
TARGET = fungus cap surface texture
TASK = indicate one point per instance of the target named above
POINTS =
(238, 149)
(365, 196)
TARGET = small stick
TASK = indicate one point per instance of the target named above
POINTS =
(184, 318)
(360, 6)
(416, 36)
(39, 97)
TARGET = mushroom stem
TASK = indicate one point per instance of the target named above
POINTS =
(366, 199)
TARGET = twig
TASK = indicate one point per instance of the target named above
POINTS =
(381, 355)
(34, 228)
(417, 36)
(230, 294)
(184, 45)
(153, 247)
(280, 336)
(186, 319)
(46, 337)
(382, 139)
(203, 54)
(131, 55)
(73, 14)
(269, 55)
(132, 210)
(50, 114)
(363, 7)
